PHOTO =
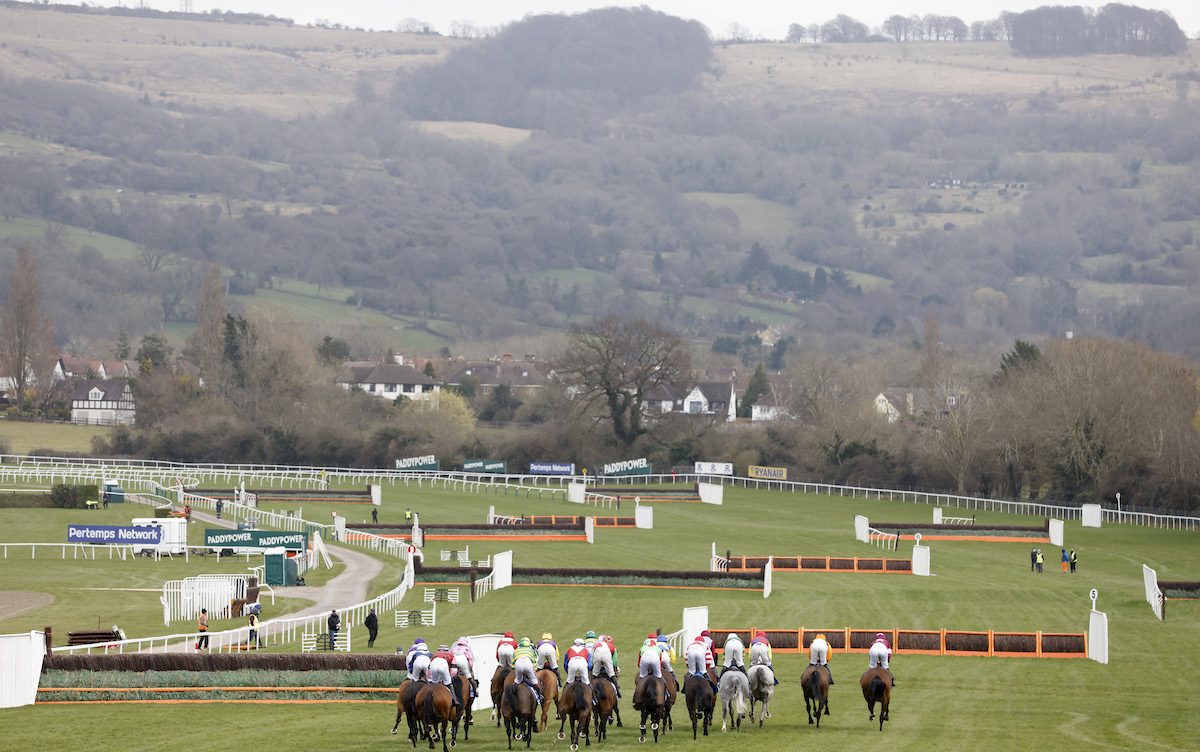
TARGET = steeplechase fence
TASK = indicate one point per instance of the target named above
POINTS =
(859, 564)
(1180, 590)
(922, 642)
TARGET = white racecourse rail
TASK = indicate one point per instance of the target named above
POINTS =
(19, 468)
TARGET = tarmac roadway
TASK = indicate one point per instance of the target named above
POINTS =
(348, 588)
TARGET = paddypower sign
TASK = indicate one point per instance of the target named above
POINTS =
(628, 467)
(767, 473)
(427, 462)
(113, 534)
(485, 466)
(254, 539)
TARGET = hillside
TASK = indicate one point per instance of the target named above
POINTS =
(439, 190)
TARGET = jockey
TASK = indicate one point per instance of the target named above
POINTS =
(577, 662)
(439, 671)
(881, 651)
(505, 649)
(818, 654)
(760, 652)
(698, 659)
(418, 660)
(589, 640)
(604, 662)
(523, 659)
(668, 655)
(464, 658)
(712, 653)
(650, 658)
(734, 650)
(547, 654)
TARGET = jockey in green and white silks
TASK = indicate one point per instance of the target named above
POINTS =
(734, 652)
(650, 658)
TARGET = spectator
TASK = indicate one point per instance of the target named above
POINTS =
(253, 629)
(1065, 559)
(374, 515)
(1033, 560)
(1041, 559)
(1074, 558)
(219, 505)
(202, 627)
(335, 623)
(372, 625)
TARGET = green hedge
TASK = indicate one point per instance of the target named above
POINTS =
(26, 500)
(73, 497)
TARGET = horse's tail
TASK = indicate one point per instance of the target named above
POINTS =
(739, 698)
(429, 711)
(877, 687)
(580, 701)
(814, 684)
(510, 696)
(601, 692)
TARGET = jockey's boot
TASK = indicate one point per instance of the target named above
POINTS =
(456, 700)
(831, 675)
(555, 670)
(891, 675)
(616, 686)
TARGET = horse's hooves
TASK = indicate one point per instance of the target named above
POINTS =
(453, 743)
(654, 727)
(574, 747)
(768, 715)
(561, 736)
(517, 736)
(810, 721)
(641, 740)
(393, 732)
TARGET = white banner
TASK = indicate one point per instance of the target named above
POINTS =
(714, 468)
(767, 576)
(860, 529)
(937, 516)
(1097, 639)
(644, 517)
(1056, 532)
(695, 621)
(1092, 515)
(20, 668)
(502, 570)
(575, 492)
(920, 560)
(712, 493)
(485, 665)
(589, 527)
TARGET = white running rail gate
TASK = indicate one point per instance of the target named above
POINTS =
(1154, 595)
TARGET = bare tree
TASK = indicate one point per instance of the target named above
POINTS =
(614, 364)
(27, 337)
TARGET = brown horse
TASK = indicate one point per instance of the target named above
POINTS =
(816, 690)
(518, 706)
(406, 703)
(549, 681)
(877, 687)
(672, 686)
(461, 686)
(650, 697)
(498, 681)
(606, 700)
(698, 693)
(575, 703)
(436, 709)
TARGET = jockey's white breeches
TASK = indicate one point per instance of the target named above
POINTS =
(577, 668)
(879, 655)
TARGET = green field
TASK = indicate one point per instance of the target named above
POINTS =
(25, 437)
(1138, 701)
(72, 238)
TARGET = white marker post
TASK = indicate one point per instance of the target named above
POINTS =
(920, 557)
(1097, 644)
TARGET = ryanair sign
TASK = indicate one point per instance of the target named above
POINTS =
(767, 473)
(427, 462)
(628, 467)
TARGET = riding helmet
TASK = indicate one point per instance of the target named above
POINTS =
(547, 636)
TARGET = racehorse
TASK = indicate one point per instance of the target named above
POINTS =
(461, 686)
(498, 682)
(650, 697)
(549, 681)
(437, 708)
(877, 687)
(606, 700)
(734, 689)
(816, 689)
(672, 695)
(762, 688)
(517, 706)
(698, 693)
(406, 704)
(576, 703)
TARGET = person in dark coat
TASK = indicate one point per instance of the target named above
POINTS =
(334, 623)
(372, 625)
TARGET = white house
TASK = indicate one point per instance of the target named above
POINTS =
(387, 380)
(768, 407)
(104, 403)
(712, 398)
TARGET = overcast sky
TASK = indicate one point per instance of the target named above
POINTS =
(767, 19)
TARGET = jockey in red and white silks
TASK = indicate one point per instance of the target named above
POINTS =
(439, 671)
(881, 651)
(464, 657)
(712, 648)
(696, 656)
(577, 662)
(650, 658)
(505, 649)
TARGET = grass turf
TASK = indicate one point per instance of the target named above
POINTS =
(1139, 700)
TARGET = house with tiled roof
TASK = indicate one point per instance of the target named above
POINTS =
(386, 380)
(523, 377)
(103, 402)
(717, 398)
